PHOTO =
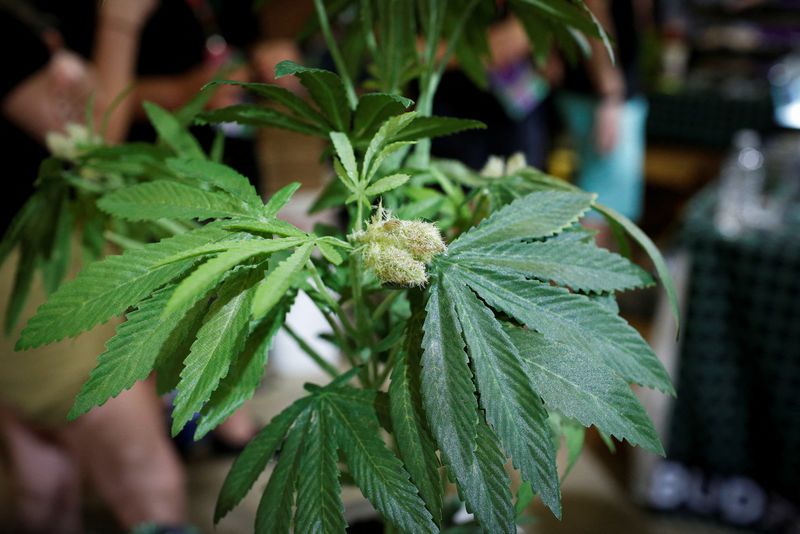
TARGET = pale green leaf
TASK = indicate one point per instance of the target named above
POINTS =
(270, 291)
(583, 388)
(388, 154)
(256, 246)
(221, 338)
(268, 227)
(343, 148)
(330, 253)
(579, 266)
(382, 138)
(210, 273)
(251, 462)
(171, 132)
(281, 197)
(107, 288)
(163, 199)
(539, 214)
(217, 175)
(130, 355)
(245, 373)
(169, 362)
(387, 183)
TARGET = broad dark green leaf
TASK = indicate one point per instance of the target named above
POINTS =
(373, 109)
(468, 447)
(261, 117)
(107, 288)
(282, 96)
(326, 89)
(538, 214)
(514, 411)
(319, 503)
(251, 462)
(171, 200)
(414, 443)
(581, 267)
(652, 251)
(575, 320)
(55, 263)
(23, 279)
(582, 387)
(379, 474)
(274, 515)
(427, 127)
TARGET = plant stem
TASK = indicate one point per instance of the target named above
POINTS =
(333, 48)
(122, 241)
(432, 74)
(385, 304)
(313, 354)
(171, 226)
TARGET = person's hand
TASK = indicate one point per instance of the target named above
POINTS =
(267, 54)
(127, 14)
(606, 124)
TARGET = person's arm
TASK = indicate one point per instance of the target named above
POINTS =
(119, 27)
(607, 80)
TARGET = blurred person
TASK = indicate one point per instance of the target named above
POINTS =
(515, 107)
(69, 51)
(604, 111)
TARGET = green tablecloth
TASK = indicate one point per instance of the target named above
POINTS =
(738, 405)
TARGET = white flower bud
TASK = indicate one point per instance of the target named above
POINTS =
(398, 250)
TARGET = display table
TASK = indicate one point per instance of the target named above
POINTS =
(737, 413)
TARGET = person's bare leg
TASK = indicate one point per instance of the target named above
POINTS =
(238, 429)
(124, 448)
(46, 482)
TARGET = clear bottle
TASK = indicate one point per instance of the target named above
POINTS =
(740, 202)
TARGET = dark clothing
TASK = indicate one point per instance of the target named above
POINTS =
(172, 42)
(627, 46)
(458, 96)
(22, 154)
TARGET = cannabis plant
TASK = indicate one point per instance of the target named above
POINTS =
(475, 314)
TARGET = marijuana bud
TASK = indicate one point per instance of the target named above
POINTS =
(398, 250)
(76, 139)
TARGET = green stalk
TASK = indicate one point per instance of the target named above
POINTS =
(314, 355)
(322, 15)
(433, 75)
